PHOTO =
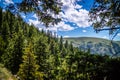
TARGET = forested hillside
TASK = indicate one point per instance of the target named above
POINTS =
(37, 55)
(96, 45)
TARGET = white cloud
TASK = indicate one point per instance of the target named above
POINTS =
(73, 12)
(24, 16)
(35, 16)
(8, 1)
(74, 24)
(64, 27)
(105, 37)
(118, 34)
(35, 22)
(60, 27)
(66, 36)
(84, 31)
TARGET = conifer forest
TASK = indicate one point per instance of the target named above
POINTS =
(33, 54)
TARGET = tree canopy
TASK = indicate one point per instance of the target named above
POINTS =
(37, 55)
(46, 10)
(105, 15)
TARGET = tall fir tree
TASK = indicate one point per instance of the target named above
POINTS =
(61, 43)
(2, 47)
(29, 69)
(13, 54)
(66, 44)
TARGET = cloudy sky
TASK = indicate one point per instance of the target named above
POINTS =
(74, 20)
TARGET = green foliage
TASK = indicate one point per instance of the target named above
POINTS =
(96, 45)
(13, 54)
(29, 69)
(34, 54)
(2, 45)
(43, 9)
(61, 43)
(105, 13)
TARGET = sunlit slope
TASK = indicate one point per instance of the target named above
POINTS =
(96, 45)
(5, 74)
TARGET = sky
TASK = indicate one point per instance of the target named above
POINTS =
(74, 22)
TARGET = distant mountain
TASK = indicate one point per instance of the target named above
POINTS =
(96, 45)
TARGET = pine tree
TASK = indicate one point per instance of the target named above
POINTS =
(2, 45)
(5, 31)
(12, 57)
(61, 43)
(66, 44)
(71, 47)
(29, 69)
(41, 50)
(7, 57)
(17, 53)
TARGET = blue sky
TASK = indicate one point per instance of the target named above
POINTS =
(74, 20)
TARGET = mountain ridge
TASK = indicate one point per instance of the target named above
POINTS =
(96, 45)
(89, 38)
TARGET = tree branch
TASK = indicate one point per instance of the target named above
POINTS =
(115, 28)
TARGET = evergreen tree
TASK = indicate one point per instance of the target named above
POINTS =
(2, 46)
(53, 60)
(5, 31)
(7, 57)
(45, 58)
(71, 47)
(61, 43)
(66, 44)
(17, 53)
(29, 69)
(12, 57)
(41, 51)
